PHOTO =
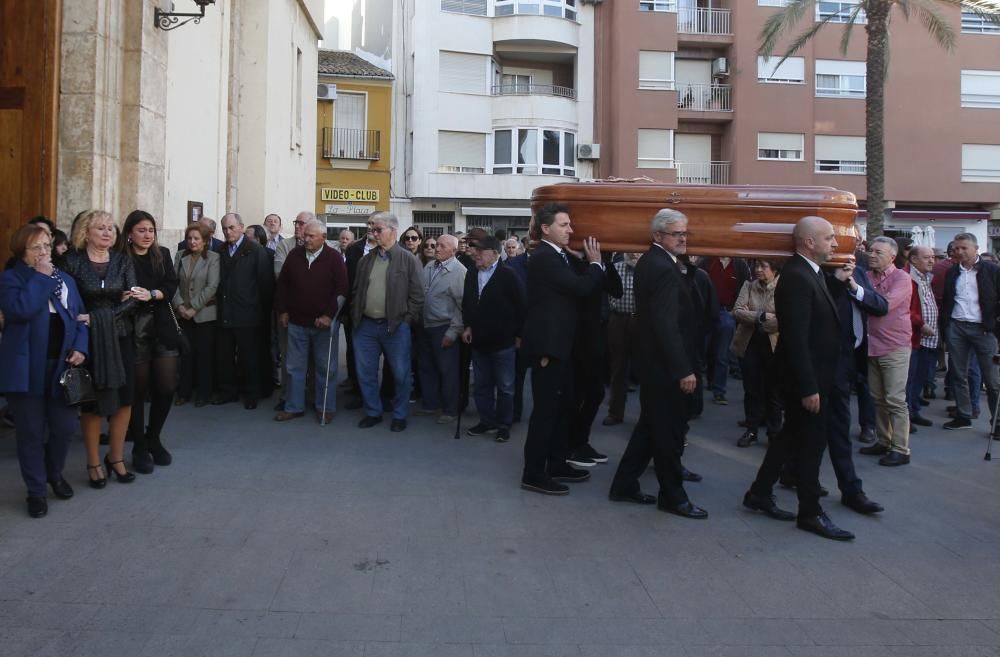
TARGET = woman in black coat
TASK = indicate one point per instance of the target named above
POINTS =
(155, 338)
(107, 283)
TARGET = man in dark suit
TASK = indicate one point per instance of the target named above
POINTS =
(246, 283)
(519, 265)
(555, 291)
(806, 361)
(668, 339)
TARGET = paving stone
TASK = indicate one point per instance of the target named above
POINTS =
(452, 629)
(407, 649)
(162, 645)
(245, 623)
(349, 627)
(307, 648)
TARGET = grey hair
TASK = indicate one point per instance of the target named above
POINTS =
(234, 215)
(348, 231)
(209, 222)
(451, 240)
(664, 218)
(388, 218)
(310, 216)
(966, 237)
(888, 241)
(314, 222)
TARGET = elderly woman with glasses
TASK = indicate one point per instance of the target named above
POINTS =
(44, 334)
(429, 252)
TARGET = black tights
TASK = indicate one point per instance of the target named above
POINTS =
(163, 373)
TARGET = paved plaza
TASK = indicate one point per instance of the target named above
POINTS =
(291, 540)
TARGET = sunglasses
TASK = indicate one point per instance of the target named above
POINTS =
(412, 238)
(430, 245)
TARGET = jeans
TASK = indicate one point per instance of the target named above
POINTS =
(723, 338)
(494, 386)
(887, 379)
(372, 339)
(965, 340)
(302, 339)
(438, 370)
(920, 360)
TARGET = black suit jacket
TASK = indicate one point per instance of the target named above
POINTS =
(497, 316)
(809, 330)
(555, 292)
(667, 319)
(246, 285)
(872, 303)
(988, 283)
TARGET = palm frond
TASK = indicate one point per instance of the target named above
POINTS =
(780, 22)
(937, 25)
(845, 38)
(986, 9)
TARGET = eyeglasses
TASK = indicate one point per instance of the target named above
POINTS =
(40, 248)
(412, 238)
(677, 234)
(430, 245)
(377, 229)
(299, 223)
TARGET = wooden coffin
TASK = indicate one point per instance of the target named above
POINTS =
(748, 221)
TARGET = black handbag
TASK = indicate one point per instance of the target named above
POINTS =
(78, 386)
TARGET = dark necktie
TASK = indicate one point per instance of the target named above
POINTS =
(564, 257)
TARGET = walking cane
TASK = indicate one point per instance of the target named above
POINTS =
(329, 358)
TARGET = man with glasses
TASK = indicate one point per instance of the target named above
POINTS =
(388, 297)
(667, 327)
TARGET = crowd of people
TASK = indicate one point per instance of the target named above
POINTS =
(234, 320)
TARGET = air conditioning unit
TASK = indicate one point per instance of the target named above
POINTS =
(588, 151)
(326, 92)
(720, 66)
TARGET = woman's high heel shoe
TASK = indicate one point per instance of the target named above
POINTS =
(126, 478)
(96, 483)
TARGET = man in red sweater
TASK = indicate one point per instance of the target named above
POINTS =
(311, 289)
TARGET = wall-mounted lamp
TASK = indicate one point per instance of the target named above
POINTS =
(169, 20)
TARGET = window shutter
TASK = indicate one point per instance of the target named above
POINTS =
(462, 149)
(780, 141)
(656, 69)
(655, 148)
(463, 72)
(792, 69)
(981, 88)
(849, 149)
(840, 67)
(980, 163)
(349, 111)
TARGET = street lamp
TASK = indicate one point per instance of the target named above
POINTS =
(169, 20)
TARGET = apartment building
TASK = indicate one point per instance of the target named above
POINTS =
(492, 99)
(353, 140)
(684, 97)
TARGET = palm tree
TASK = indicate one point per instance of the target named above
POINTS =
(878, 14)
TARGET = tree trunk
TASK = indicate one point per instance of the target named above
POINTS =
(878, 51)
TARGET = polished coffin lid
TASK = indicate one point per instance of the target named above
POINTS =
(748, 221)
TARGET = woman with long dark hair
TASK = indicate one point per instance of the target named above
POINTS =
(107, 283)
(155, 339)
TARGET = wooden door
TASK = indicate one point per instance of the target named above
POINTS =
(29, 92)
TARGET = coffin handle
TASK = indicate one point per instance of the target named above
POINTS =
(674, 198)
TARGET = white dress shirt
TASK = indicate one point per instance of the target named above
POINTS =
(967, 296)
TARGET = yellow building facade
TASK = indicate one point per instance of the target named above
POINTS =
(353, 137)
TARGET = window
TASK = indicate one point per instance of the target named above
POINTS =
(973, 23)
(297, 100)
(349, 111)
(839, 12)
(520, 150)
(981, 163)
(780, 146)
(790, 71)
(515, 83)
(656, 149)
(981, 89)
(840, 79)
(461, 152)
(559, 8)
(836, 154)
(657, 5)
(464, 72)
(472, 7)
(656, 70)
(772, 3)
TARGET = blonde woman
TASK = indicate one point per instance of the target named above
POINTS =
(107, 283)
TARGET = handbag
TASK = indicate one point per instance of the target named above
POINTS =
(182, 341)
(78, 386)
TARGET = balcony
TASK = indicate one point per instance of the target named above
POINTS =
(351, 144)
(704, 97)
(529, 89)
(702, 20)
(702, 173)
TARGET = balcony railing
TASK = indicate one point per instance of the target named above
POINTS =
(351, 144)
(704, 97)
(699, 20)
(702, 173)
(517, 89)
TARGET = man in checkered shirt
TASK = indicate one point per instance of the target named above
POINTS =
(622, 339)
(923, 357)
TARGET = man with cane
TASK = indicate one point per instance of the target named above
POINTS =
(311, 290)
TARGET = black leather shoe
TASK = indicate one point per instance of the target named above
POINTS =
(767, 506)
(687, 475)
(545, 487)
(684, 509)
(821, 525)
(569, 474)
(894, 458)
(786, 482)
(874, 450)
(397, 426)
(37, 507)
(142, 462)
(636, 497)
(920, 420)
(748, 438)
(862, 504)
(61, 489)
(369, 421)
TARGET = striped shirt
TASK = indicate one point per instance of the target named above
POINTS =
(928, 307)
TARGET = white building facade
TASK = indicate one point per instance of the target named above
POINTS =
(493, 98)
